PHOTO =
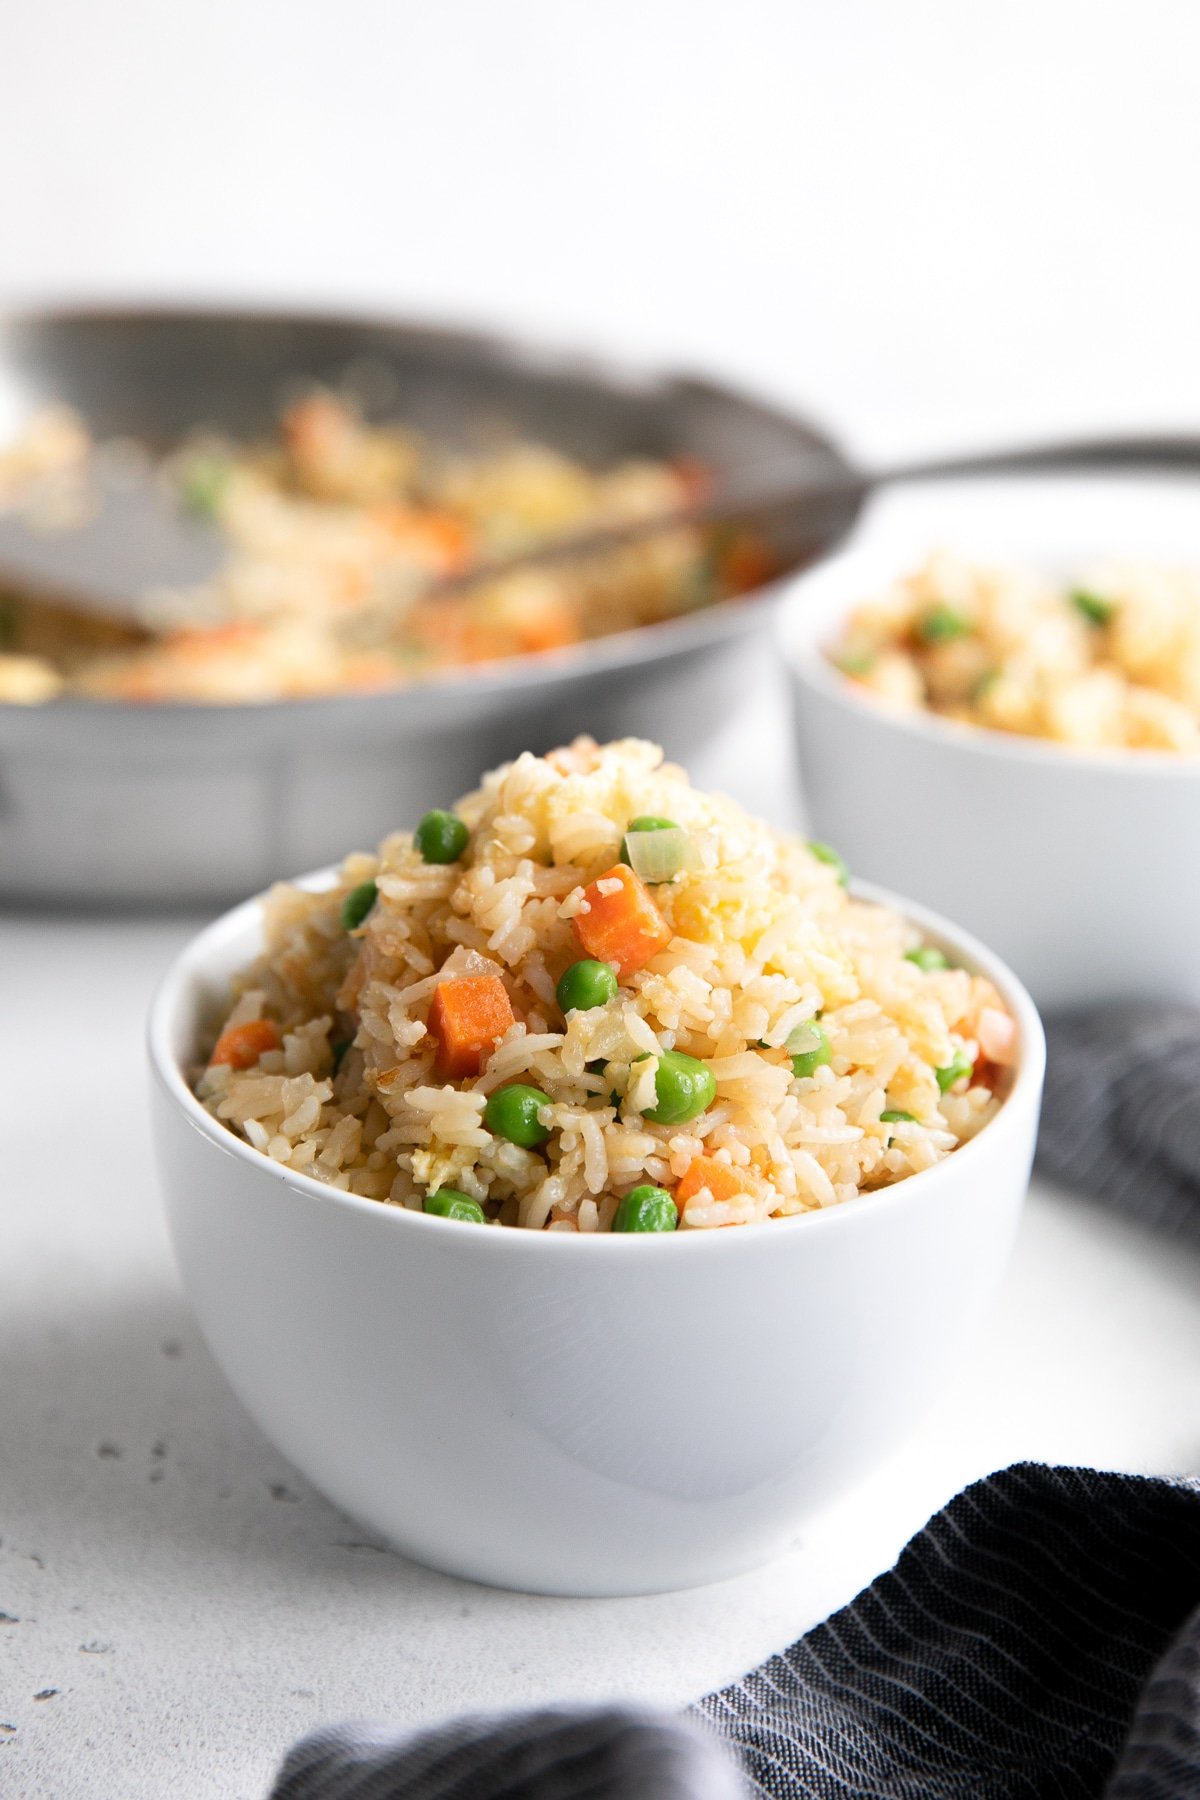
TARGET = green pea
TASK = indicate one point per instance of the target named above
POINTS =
(441, 837)
(338, 1052)
(959, 1065)
(941, 624)
(827, 854)
(357, 904)
(512, 1113)
(892, 1117)
(448, 1203)
(1094, 607)
(683, 1087)
(854, 662)
(807, 1060)
(646, 1208)
(646, 822)
(203, 483)
(586, 984)
(927, 957)
(701, 584)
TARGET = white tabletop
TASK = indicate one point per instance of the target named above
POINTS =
(185, 1603)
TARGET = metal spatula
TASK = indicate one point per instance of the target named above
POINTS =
(776, 493)
(130, 543)
(137, 542)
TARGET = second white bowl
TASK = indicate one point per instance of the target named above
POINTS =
(1081, 868)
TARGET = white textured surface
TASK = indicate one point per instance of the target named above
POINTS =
(196, 1607)
(933, 222)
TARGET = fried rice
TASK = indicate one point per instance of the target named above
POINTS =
(331, 1056)
(336, 532)
(1109, 661)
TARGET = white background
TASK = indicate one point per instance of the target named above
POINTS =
(934, 222)
(924, 217)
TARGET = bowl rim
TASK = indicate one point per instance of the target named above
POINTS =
(839, 583)
(241, 922)
(538, 354)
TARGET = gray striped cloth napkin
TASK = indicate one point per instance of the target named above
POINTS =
(1040, 1637)
(1121, 1110)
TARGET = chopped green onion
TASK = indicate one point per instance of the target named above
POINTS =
(1094, 607)
(338, 1052)
(644, 822)
(448, 1203)
(659, 855)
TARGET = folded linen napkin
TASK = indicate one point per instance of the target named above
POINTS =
(1039, 1637)
(1121, 1111)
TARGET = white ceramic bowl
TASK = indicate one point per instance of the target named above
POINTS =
(578, 1415)
(1081, 868)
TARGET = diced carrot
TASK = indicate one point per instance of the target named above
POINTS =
(439, 627)
(439, 540)
(721, 1179)
(997, 1033)
(140, 683)
(696, 477)
(468, 1014)
(622, 925)
(370, 673)
(195, 641)
(548, 625)
(480, 643)
(316, 425)
(242, 1045)
(745, 563)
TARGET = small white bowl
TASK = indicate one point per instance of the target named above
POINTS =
(568, 1414)
(1081, 868)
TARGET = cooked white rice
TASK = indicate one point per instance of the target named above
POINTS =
(762, 939)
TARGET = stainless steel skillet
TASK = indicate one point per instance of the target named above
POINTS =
(109, 803)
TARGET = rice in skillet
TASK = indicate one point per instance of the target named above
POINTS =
(743, 1041)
